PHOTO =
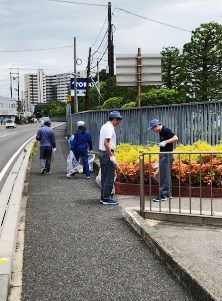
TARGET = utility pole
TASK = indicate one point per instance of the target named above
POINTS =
(110, 43)
(139, 76)
(87, 80)
(14, 75)
(75, 80)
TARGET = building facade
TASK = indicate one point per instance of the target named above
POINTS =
(8, 107)
(41, 88)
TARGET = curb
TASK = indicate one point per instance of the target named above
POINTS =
(195, 281)
(11, 196)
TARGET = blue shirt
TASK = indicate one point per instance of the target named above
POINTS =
(81, 141)
(46, 136)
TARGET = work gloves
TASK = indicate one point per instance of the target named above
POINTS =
(162, 144)
(113, 159)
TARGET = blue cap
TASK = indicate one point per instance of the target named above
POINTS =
(115, 114)
(153, 123)
(47, 122)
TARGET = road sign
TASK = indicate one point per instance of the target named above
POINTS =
(81, 84)
(126, 69)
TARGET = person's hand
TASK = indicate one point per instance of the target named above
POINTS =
(113, 159)
(162, 144)
(54, 150)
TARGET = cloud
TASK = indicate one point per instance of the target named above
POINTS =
(27, 24)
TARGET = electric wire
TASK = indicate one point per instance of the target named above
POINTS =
(152, 20)
(100, 32)
(37, 49)
(83, 3)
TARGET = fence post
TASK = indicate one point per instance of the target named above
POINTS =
(142, 198)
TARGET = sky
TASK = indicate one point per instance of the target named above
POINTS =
(39, 34)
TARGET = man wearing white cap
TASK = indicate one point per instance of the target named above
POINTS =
(108, 163)
(167, 138)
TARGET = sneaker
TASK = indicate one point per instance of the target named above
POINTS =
(43, 171)
(70, 176)
(158, 199)
(101, 201)
(48, 172)
(110, 202)
(87, 177)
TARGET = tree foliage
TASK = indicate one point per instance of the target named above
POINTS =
(203, 63)
(51, 109)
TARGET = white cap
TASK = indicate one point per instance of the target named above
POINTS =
(80, 123)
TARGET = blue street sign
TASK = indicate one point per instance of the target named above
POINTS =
(81, 84)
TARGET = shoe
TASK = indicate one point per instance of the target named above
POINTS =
(158, 199)
(101, 201)
(48, 172)
(110, 202)
(43, 171)
(70, 176)
(87, 177)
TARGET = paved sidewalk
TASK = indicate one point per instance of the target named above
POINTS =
(77, 249)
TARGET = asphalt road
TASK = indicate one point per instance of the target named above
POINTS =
(77, 249)
(12, 139)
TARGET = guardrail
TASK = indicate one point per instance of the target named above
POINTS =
(198, 196)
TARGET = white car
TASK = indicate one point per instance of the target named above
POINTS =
(43, 119)
(10, 124)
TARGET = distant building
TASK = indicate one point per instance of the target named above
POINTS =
(8, 107)
(41, 88)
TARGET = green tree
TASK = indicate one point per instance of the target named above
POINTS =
(171, 63)
(160, 96)
(203, 63)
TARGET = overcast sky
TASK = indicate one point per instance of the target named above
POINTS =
(44, 24)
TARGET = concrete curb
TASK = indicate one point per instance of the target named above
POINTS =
(11, 197)
(190, 276)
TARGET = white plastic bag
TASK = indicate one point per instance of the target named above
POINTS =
(98, 181)
(91, 159)
(73, 165)
(98, 178)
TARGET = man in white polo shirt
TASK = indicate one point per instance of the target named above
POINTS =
(108, 163)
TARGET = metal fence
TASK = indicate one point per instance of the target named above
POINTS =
(196, 179)
(190, 122)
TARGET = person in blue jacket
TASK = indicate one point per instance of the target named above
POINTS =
(46, 137)
(80, 144)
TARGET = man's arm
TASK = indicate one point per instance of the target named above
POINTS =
(107, 147)
(171, 140)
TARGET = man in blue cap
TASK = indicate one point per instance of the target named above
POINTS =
(108, 163)
(46, 137)
(167, 138)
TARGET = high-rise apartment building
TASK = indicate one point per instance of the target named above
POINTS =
(40, 88)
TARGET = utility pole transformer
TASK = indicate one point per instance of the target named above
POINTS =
(110, 42)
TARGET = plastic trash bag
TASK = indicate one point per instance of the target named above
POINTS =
(98, 181)
(73, 165)
(91, 158)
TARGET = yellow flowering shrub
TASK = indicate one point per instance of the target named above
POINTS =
(186, 167)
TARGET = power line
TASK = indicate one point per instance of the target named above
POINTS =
(74, 2)
(99, 32)
(37, 49)
(152, 20)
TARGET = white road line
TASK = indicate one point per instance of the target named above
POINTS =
(13, 133)
(4, 170)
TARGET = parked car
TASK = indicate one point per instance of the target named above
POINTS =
(43, 119)
(10, 124)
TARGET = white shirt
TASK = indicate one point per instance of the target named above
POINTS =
(107, 131)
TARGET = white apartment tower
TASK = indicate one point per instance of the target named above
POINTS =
(40, 88)
(35, 89)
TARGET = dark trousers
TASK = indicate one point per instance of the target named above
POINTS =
(165, 166)
(107, 175)
(45, 157)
